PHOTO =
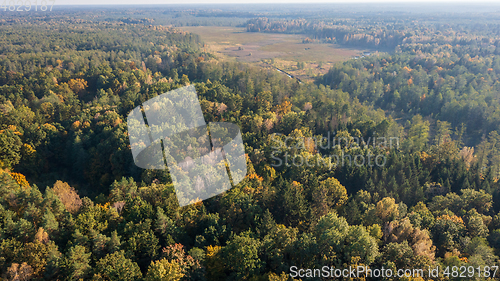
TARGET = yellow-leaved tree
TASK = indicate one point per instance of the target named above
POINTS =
(163, 270)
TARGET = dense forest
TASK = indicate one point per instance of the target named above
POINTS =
(74, 206)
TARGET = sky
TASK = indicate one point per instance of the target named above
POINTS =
(151, 2)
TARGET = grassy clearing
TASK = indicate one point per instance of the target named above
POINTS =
(280, 50)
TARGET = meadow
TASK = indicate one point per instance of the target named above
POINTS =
(282, 51)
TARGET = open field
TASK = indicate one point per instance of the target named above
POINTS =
(280, 50)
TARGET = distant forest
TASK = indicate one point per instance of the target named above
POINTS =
(74, 206)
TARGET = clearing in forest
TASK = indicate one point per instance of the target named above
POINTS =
(283, 51)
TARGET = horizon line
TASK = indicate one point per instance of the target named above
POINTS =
(394, 2)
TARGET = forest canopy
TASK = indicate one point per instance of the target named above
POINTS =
(74, 206)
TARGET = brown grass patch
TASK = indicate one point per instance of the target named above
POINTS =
(285, 49)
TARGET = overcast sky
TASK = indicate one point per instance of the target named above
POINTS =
(145, 2)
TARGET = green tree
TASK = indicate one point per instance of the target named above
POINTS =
(10, 148)
(418, 134)
(443, 132)
(77, 263)
(116, 267)
(241, 255)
